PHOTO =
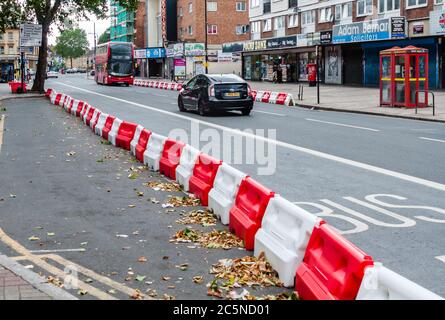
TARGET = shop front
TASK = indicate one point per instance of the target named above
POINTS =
(155, 57)
(280, 60)
(194, 58)
(175, 62)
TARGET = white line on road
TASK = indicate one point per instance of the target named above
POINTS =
(430, 139)
(272, 113)
(441, 258)
(343, 125)
(57, 250)
(327, 156)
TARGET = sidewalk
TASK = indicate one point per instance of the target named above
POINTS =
(5, 92)
(19, 283)
(353, 99)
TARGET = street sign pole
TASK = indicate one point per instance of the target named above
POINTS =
(317, 54)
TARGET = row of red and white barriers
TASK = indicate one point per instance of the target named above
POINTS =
(280, 98)
(305, 251)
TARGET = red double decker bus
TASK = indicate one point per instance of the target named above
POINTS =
(114, 63)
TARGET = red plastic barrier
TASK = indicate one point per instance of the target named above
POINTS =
(204, 174)
(15, 85)
(79, 108)
(70, 107)
(170, 158)
(125, 135)
(332, 268)
(89, 116)
(48, 92)
(253, 93)
(247, 213)
(281, 98)
(179, 87)
(57, 99)
(142, 144)
(94, 121)
(84, 110)
(156, 85)
(107, 127)
(266, 97)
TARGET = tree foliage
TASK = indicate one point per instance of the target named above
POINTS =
(50, 12)
(72, 44)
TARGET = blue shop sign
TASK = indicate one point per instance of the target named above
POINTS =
(372, 30)
(154, 53)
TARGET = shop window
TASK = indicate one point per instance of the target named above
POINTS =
(388, 5)
(292, 21)
(325, 15)
(364, 7)
(267, 25)
(416, 3)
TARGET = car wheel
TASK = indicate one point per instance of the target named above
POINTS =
(201, 110)
(246, 112)
(181, 104)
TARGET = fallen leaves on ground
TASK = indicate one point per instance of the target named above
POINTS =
(71, 153)
(216, 239)
(205, 218)
(168, 297)
(137, 295)
(247, 271)
(183, 202)
(106, 142)
(140, 278)
(142, 259)
(55, 281)
(152, 293)
(133, 175)
(163, 186)
(198, 279)
(82, 292)
(33, 238)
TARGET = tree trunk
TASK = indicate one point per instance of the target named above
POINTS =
(71, 60)
(39, 82)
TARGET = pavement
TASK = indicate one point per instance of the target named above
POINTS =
(379, 180)
(354, 99)
(89, 213)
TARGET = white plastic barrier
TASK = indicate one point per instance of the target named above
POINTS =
(134, 142)
(273, 97)
(67, 103)
(52, 96)
(74, 107)
(153, 152)
(283, 236)
(62, 99)
(289, 100)
(380, 283)
(187, 162)
(101, 123)
(225, 188)
(259, 96)
(114, 130)
(93, 118)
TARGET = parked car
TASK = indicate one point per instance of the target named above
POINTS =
(52, 74)
(211, 92)
(81, 70)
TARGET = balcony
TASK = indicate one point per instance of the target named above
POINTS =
(266, 7)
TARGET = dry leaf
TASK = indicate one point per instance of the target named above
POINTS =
(163, 186)
(203, 217)
(142, 259)
(198, 279)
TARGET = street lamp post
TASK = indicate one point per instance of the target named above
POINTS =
(206, 37)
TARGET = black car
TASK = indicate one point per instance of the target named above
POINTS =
(211, 92)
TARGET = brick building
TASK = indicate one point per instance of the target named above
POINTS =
(349, 34)
(227, 21)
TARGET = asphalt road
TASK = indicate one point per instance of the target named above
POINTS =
(380, 181)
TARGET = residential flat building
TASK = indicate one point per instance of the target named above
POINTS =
(348, 35)
(122, 23)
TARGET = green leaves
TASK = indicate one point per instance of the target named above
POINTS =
(72, 43)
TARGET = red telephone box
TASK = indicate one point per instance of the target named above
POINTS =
(403, 74)
(312, 74)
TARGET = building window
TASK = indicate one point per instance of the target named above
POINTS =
(292, 21)
(267, 25)
(343, 11)
(181, 12)
(190, 7)
(416, 3)
(388, 5)
(438, 1)
(279, 23)
(190, 30)
(240, 6)
(364, 7)
(256, 27)
(308, 17)
(2, 50)
(212, 29)
(212, 6)
(11, 50)
(10, 36)
(254, 3)
(1, 36)
(242, 29)
(325, 15)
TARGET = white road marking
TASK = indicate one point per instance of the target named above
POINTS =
(159, 95)
(58, 250)
(441, 258)
(272, 113)
(430, 139)
(327, 156)
(342, 125)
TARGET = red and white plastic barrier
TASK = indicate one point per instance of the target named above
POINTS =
(297, 244)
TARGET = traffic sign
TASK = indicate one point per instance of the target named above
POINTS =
(30, 35)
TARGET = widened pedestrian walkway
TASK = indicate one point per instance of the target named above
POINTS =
(353, 99)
